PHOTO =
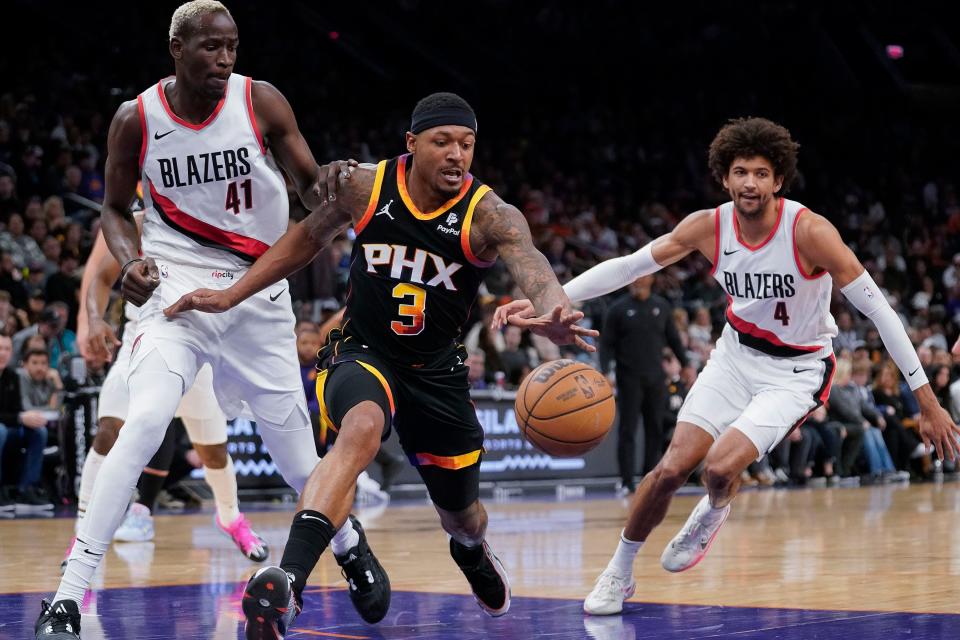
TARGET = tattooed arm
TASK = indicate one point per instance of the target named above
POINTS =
(294, 250)
(500, 229)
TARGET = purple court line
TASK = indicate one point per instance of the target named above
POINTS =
(211, 611)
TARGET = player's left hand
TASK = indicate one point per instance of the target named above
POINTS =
(516, 312)
(328, 179)
(937, 427)
(206, 300)
(561, 328)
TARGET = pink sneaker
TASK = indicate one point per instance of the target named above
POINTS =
(66, 556)
(246, 539)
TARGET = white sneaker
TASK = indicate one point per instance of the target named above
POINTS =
(369, 491)
(137, 526)
(609, 593)
(692, 543)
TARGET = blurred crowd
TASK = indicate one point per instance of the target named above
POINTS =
(595, 174)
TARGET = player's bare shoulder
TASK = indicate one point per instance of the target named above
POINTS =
(125, 136)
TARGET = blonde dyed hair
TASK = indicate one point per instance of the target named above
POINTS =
(190, 10)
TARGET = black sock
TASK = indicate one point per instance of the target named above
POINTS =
(310, 534)
(150, 483)
(465, 556)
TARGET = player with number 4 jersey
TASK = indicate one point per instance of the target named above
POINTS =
(773, 365)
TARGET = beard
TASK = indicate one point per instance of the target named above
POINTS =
(757, 213)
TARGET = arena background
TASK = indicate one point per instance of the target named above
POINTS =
(593, 118)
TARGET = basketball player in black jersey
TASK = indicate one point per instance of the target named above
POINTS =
(427, 231)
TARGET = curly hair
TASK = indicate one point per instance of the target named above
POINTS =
(751, 137)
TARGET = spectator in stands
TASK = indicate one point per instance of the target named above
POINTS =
(635, 332)
(55, 216)
(11, 318)
(881, 463)
(22, 247)
(20, 429)
(516, 359)
(904, 444)
(64, 286)
(52, 327)
(847, 338)
(40, 385)
(8, 195)
(476, 376)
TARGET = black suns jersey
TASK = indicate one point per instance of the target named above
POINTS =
(413, 275)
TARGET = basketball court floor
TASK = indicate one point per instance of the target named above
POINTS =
(869, 563)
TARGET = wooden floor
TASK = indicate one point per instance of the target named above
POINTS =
(884, 548)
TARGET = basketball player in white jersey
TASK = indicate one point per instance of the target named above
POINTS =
(205, 423)
(198, 141)
(773, 365)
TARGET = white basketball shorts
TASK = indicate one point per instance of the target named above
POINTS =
(763, 397)
(251, 348)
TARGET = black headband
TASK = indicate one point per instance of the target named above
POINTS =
(460, 116)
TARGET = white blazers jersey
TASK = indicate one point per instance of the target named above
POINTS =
(212, 199)
(774, 306)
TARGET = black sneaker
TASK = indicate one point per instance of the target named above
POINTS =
(7, 506)
(59, 621)
(269, 605)
(33, 500)
(369, 584)
(487, 578)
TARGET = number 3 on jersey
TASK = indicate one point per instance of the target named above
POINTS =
(412, 308)
(780, 313)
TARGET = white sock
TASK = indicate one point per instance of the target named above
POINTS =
(91, 467)
(154, 395)
(84, 558)
(622, 561)
(345, 539)
(223, 482)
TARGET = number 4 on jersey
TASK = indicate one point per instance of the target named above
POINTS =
(780, 313)
(233, 197)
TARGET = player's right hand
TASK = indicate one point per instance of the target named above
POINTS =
(206, 300)
(139, 281)
(518, 312)
(101, 341)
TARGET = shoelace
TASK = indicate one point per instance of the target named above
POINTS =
(608, 582)
(61, 623)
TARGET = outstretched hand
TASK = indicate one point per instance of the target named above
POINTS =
(206, 300)
(520, 313)
(559, 327)
(938, 428)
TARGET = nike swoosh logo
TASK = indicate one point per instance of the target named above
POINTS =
(914, 371)
(157, 135)
(274, 298)
(729, 253)
(795, 370)
(304, 516)
(92, 553)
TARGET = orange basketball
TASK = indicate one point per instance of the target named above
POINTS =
(565, 408)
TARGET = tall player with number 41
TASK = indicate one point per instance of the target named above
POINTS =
(773, 365)
(199, 142)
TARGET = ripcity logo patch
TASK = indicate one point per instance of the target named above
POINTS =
(217, 274)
